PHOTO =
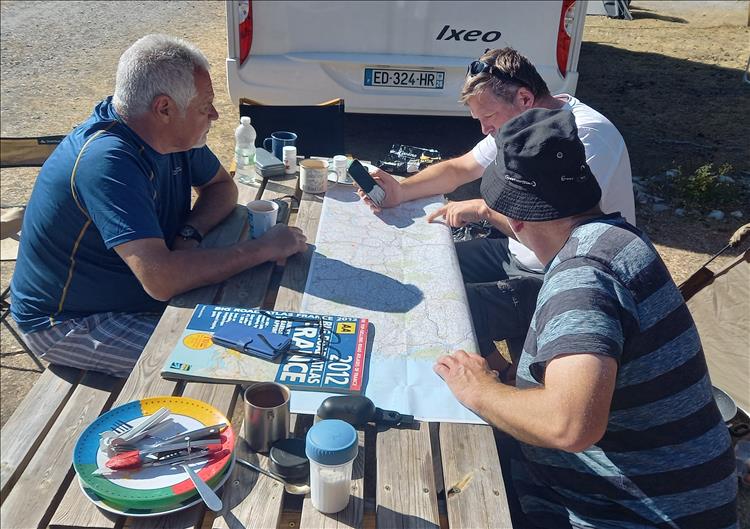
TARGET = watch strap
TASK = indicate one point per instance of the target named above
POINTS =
(192, 233)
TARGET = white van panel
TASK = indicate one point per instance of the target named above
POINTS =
(308, 52)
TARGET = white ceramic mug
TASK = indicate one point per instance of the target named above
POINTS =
(262, 216)
(340, 165)
(313, 176)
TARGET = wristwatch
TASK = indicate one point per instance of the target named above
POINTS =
(188, 232)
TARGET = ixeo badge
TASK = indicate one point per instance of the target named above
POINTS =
(469, 35)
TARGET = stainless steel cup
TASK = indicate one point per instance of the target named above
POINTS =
(266, 415)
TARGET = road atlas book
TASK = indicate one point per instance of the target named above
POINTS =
(321, 353)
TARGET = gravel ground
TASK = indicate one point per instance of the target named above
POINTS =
(51, 84)
(670, 81)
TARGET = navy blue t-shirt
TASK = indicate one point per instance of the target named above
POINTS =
(102, 186)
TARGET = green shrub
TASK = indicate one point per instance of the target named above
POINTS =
(705, 189)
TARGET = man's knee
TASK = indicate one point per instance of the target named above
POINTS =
(502, 310)
(482, 260)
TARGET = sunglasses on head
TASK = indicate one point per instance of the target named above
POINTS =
(477, 67)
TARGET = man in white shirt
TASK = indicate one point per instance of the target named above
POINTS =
(501, 275)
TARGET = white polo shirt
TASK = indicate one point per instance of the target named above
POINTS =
(607, 156)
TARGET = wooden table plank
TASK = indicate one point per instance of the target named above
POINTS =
(295, 272)
(353, 515)
(469, 451)
(49, 473)
(25, 430)
(247, 193)
(251, 500)
(186, 519)
(271, 188)
(406, 495)
(73, 511)
(284, 185)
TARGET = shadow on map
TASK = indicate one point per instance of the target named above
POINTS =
(377, 292)
(399, 218)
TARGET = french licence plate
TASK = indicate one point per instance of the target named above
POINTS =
(404, 78)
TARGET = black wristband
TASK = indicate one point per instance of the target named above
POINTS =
(189, 232)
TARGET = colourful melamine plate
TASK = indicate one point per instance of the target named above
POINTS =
(153, 488)
(125, 511)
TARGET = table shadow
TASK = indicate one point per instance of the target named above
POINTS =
(376, 292)
(389, 518)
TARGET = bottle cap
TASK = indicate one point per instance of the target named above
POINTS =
(245, 120)
(331, 442)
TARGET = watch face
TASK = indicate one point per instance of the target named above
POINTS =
(187, 232)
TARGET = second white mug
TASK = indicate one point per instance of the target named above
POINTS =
(262, 216)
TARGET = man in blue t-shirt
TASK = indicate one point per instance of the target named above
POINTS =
(109, 234)
(613, 415)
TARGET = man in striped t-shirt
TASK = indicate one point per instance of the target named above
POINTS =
(613, 409)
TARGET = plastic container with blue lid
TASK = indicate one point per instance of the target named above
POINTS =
(331, 445)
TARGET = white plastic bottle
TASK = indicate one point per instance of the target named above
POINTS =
(331, 445)
(244, 151)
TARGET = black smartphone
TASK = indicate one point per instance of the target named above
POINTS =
(360, 175)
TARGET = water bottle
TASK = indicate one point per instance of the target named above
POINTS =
(244, 152)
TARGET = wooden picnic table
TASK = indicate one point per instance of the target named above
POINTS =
(434, 475)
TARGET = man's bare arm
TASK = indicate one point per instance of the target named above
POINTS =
(462, 212)
(164, 273)
(440, 178)
(570, 412)
(215, 201)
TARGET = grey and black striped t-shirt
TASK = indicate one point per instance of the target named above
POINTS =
(666, 458)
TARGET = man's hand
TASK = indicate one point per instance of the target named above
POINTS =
(393, 191)
(460, 213)
(283, 241)
(468, 376)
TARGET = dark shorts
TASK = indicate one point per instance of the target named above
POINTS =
(502, 292)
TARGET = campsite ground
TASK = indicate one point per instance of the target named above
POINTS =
(671, 80)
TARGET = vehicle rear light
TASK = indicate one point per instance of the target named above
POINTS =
(245, 11)
(564, 33)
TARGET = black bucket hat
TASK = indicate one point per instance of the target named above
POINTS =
(540, 172)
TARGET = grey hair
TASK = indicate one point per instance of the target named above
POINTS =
(156, 65)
